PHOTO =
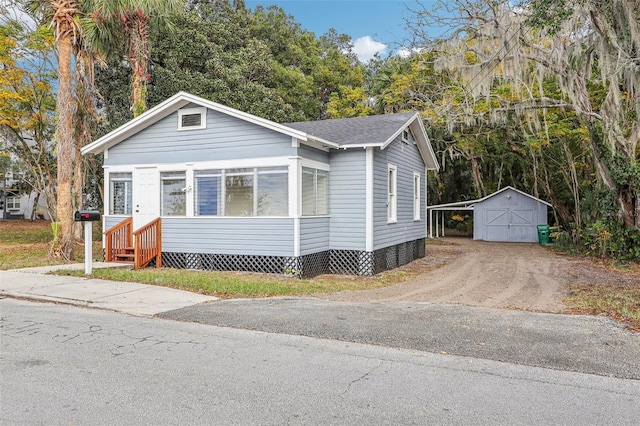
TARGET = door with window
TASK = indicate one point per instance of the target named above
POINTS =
(146, 195)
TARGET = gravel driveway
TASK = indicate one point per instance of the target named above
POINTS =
(498, 275)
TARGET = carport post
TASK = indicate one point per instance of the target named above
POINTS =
(443, 224)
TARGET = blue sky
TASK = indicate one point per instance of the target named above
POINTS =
(374, 25)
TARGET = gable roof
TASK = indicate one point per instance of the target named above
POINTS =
(511, 188)
(470, 204)
(169, 106)
(371, 131)
(359, 132)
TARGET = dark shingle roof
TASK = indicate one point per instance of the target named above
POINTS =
(375, 129)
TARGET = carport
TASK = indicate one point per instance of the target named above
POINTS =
(507, 215)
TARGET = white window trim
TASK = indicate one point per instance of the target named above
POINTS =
(405, 135)
(189, 111)
(416, 196)
(392, 193)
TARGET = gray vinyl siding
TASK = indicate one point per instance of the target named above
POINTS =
(250, 236)
(347, 199)
(225, 138)
(407, 159)
(314, 235)
(111, 221)
(313, 154)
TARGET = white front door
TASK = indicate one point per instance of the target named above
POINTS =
(146, 195)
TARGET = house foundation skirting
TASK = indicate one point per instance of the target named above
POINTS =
(350, 262)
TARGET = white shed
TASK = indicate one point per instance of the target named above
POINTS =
(507, 215)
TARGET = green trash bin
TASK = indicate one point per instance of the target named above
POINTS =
(543, 234)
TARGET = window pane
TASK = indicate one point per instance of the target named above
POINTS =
(308, 192)
(322, 192)
(239, 194)
(121, 193)
(208, 195)
(391, 214)
(174, 200)
(273, 193)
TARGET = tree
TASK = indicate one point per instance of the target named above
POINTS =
(27, 106)
(125, 25)
(587, 47)
(63, 16)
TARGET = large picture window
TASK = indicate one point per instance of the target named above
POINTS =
(242, 192)
(315, 192)
(120, 190)
(174, 200)
(273, 191)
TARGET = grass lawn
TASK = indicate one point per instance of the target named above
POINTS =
(26, 244)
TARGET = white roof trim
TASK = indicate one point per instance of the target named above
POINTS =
(516, 190)
(420, 134)
(172, 104)
(470, 203)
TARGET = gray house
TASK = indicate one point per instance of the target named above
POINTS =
(233, 191)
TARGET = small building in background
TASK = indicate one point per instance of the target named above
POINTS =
(507, 215)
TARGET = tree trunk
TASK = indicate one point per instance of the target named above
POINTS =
(78, 186)
(63, 247)
(139, 61)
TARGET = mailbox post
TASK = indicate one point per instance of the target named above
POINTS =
(88, 217)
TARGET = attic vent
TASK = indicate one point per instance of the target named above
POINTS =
(405, 135)
(192, 118)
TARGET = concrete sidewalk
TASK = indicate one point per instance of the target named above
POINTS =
(130, 298)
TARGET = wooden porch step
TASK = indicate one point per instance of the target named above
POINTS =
(125, 256)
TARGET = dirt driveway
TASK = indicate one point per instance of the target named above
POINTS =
(499, 275)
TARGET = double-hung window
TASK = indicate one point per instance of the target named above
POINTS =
(173, 194)
(392, 198)
(416, 196)
(208, 192)
(315, 192)
(120, 190)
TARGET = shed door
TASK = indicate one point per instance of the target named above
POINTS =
(511, 225)
(146, 195)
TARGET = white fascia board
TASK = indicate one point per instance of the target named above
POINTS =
(516, 190)
(172, 104)
(400, 130)
(139, 123)
(320, 143)
(424, 144)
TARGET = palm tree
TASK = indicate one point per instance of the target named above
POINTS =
(116, 25)
(64, 17)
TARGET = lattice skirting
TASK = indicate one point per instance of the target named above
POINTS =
(352, 262)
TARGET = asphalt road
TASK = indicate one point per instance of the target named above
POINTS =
(70, 365)
(588, 344)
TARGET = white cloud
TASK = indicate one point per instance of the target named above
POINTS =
(405, 52)
(365, 47)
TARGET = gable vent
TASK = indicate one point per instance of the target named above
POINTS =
(191, 120)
